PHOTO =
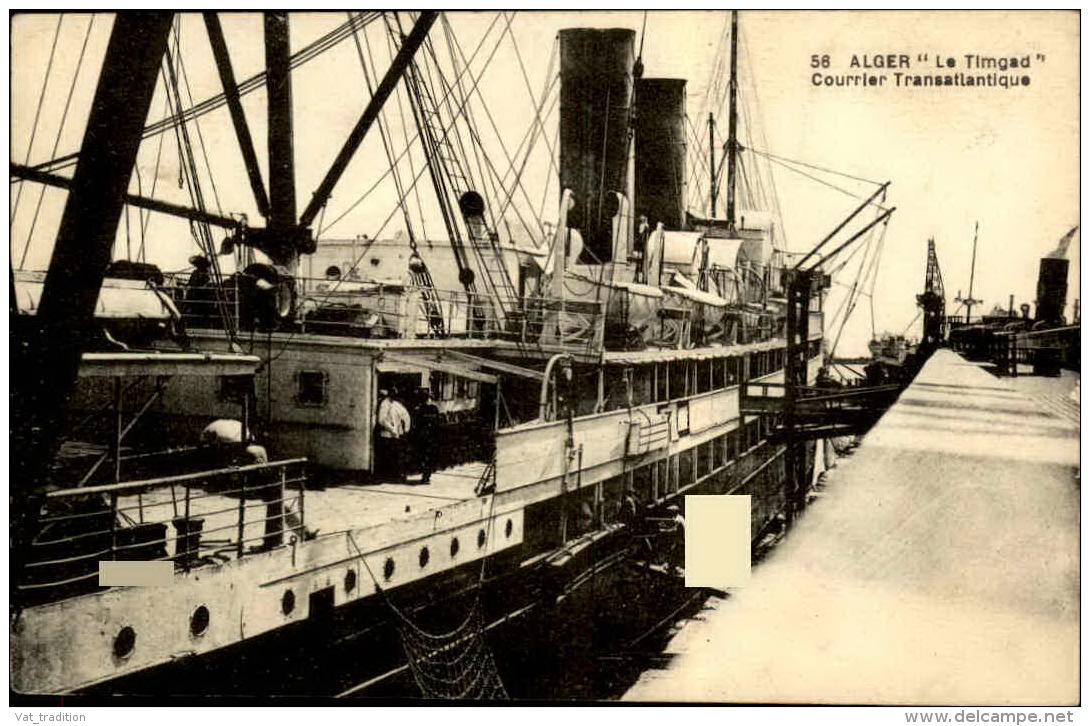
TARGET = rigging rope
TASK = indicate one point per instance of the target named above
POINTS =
(819, 181)
(874, 272)
(315, 49)
(849, 302)
(752, 91)
(529, 141)
(487, 184)
(187, 168)
(405, 133)
(145, 214)
(551, 78)
(909, 326)
(38, 113)
(408, 146)
(57, 138)
(382, 133)
(382, 227)
(816, 167)
(556, 178)
(871, 270)
(196, 122)
(702, 163)
(475, 136)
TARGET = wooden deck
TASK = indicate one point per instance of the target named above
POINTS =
(345, 507)
(359, 506)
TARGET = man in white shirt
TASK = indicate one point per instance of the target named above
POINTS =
(224, 437)
(392, 425)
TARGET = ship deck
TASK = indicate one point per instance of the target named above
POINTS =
(940, 564)
(349, 505)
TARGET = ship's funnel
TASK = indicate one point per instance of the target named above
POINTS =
(660, 151)
(1052, 290)
(595, 106)
(1060, 253)
(1052, 282)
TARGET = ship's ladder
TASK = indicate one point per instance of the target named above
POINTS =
(452, 182)
(429, 297)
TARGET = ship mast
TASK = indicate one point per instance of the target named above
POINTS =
(711, 160)
(45, 365)
(282, 210)
(732, 122)
(969, 302)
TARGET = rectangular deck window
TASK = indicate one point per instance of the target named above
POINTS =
(233, 388)
(686, 460)
(703, 376)
(662, 382)
(617, 381)
(719, 374)
(643, 384)
(679, 379)
(662, 478)
(704, 460)
(310, 388)
(612, 491)
(643, 483)
(585, 389)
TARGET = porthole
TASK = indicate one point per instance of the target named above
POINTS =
(454, 547)
(388, 568)
(480, 539)
(124, 643)
(350, 581)
(287, 602)
(198, 621)
(425, 556)
(508, 529)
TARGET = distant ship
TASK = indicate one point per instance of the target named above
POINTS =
(1046, 340)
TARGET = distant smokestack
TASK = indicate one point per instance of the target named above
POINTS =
(1060, 253)
(595, 98)
(660, 151)
(1052, 290)
(1052, 282)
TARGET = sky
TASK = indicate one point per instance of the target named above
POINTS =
(1006, 159)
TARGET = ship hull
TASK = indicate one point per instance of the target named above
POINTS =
(579, 621)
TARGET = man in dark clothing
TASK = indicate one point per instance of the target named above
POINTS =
(427, 431)
(199, 297)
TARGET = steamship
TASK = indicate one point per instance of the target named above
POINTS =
(1047, 341)
(586, 382)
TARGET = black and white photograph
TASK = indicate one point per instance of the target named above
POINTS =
(547, 357)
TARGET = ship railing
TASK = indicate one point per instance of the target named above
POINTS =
(1046, 350)
(764, 397)
(191, 520)
(349, 308)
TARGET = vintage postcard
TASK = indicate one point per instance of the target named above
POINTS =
(697, 356)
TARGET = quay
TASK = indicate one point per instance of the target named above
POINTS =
(939, 565)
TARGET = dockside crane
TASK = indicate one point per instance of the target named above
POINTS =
(933, 303)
